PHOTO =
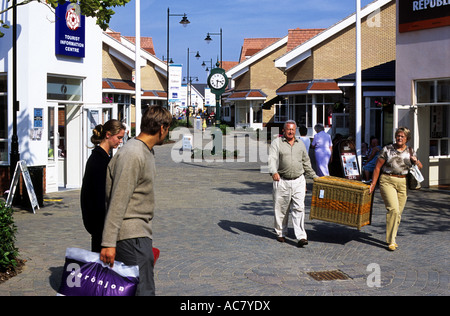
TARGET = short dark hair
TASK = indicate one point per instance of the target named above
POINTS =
(303, 130)
(155, 117)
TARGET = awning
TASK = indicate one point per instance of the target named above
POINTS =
(118, 86)
(154, 95)
(246, 95)
(128, 87)
(309, 87)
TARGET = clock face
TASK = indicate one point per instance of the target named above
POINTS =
(217, 81)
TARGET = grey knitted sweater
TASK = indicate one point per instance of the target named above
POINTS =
(130, 195)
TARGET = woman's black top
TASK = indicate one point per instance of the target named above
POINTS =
(93, 204)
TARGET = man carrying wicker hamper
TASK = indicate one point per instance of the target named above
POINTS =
(288, 162)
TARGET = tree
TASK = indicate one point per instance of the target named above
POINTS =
(99, 9)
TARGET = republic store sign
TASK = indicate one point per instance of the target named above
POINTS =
(417, 15)
(70, 31)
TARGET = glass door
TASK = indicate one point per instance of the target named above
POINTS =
(93, 116)
(56, 143)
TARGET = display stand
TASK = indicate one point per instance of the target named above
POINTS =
(349, 160)
(21, 168)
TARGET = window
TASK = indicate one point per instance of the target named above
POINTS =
(65, 89)
(3, 119)
(257, 113)
(281, 112)
(439, 130)
(436, 95)
(302, 105)
(433, 91)
(324, 107)
(123, 105)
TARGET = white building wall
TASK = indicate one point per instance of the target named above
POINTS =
(36, 59)
(423, 54)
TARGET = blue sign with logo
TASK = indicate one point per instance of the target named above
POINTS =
(70, 30)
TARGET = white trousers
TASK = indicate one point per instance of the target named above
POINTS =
(290, 195)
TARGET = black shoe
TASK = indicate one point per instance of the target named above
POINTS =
(281, 239)
(302, 242)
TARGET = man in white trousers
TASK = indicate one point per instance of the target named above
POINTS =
(288, 162)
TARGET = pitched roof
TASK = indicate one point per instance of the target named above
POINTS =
(298, 36)
(256, 48)
(244, 65)
(123, 48)
(227, 65)
(303, 51)
(146, 43)
(253, 45)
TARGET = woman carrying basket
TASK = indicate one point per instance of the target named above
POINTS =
(393, 163)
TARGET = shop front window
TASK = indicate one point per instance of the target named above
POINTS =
(281, 112)
(325, 104)
(257, 113)
(123, 102)
(439, 130)
(242, 112)
(302, 105)
(3, 120)
(436, 95)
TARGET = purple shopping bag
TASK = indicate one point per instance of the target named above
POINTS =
(86, 275)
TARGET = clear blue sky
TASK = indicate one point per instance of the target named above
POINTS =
(239, 19)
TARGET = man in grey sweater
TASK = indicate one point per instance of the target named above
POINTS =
(288, 162)
(127, 235)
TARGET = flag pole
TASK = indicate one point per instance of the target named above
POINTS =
(137, 75)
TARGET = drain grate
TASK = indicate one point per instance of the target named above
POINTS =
(328, 275)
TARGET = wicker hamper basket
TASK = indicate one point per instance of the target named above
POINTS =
(341, 201)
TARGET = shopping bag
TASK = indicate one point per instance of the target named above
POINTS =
(86, 275)
(414, 178)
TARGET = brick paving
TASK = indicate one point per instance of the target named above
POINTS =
(213, 226)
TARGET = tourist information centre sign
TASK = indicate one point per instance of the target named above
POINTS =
(70, 31)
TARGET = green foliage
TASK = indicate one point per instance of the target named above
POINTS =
(101, 10)
(8, 251)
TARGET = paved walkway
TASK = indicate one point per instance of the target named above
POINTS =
(213, 225)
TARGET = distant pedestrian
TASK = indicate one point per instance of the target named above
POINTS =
(288, 161)
(92, 198)
(304, 137)
(393, 163)
(130, 193)
(372, 156)
(323, 147)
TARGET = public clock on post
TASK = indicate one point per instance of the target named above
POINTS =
(217, 81)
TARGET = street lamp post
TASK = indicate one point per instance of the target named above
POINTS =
(208, 69)
(14, 155)
(358, 110)
(197, 55)
(189, 81)
(210, 63)
(208, 40)
(184, 21)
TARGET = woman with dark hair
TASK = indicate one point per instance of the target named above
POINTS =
(93, 205)
(393, 163)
